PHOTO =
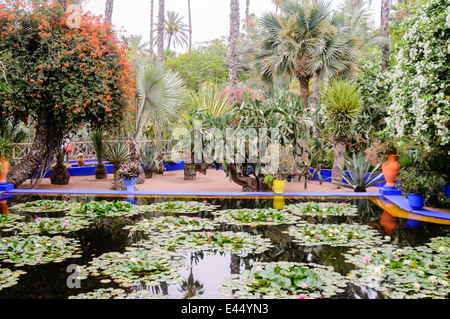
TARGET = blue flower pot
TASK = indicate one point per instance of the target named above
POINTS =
(447, 189)
(416, 201)
(130, 183)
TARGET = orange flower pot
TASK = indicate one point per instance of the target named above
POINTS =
(4, 169)
(390, 170)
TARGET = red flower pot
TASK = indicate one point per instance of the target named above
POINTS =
(4, 169)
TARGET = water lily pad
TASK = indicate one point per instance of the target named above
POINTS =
(105, 209)
(167, 223)
(240, 243)
(35, 250)
(9, 277)
(46, 206)
(284, 280)
(10, 220)
(135, 267)
(51, 226)
(180, 207)
(335, 235)
(406, 272)
(322, 209)
(255, 217)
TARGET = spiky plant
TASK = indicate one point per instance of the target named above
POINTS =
(149, 159)
(360, 177)
(99, 147)
(117, 154)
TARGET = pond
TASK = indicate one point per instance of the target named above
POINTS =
(64, 247)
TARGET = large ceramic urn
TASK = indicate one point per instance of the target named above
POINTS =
(390, 170)
(4, 169)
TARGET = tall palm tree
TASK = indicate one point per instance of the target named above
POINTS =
(247, 14)
(306, 38)
(341, 100)
(190, 26)
(152, 54)
(176, 30)
(385, 26)
(160, 37)
(109, 7)
(234, 34)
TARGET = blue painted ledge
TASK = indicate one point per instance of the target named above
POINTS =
(403, 203)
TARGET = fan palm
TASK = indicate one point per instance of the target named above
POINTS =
(341, 100)
(159, 91)
(306, 38)
(117, 154)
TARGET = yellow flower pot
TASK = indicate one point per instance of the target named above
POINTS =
(278, 186)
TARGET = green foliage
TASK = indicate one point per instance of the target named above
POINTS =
(105, 209)
(149, 158)
(342, 106)
(420, 92)
(6, 147)
(360, 177)
(117, 153)
(99, 145)
(418, 179)
(197, 67)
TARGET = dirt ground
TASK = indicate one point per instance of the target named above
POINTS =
(213, 181)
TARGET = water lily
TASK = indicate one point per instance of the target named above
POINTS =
(317, 236)
(367, 258)
(39, 219)
(38, 260)
(43, 207)
(205, 202)
(302, 296)
(166, 224)
(210, 235)
(269, 219)
(304, 285)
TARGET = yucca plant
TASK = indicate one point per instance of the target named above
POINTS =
(360, 177)
(99, 147)
(117, 154)
(341, 101)
(211, 101)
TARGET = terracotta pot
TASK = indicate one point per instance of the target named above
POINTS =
(390, 170)
(4, 169)
(4, 209)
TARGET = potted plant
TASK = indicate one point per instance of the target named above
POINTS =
(117, 154)
(129, 173)
(6, 147)
(286, 164)
(99, 146)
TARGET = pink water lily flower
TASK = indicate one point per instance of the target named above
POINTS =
(195, 218)
(38, 260)
(317, 236)
(269, 219)
(43, 207)
(39, 219)
(367, 258)
(210, 235)
(302, 296)
(205, 202)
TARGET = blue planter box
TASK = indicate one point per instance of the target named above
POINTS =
(174, 166)
(326, 176)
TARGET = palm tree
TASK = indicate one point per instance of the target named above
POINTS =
(190, 26)
(152, 54)
(385, 25)
(109, 10)
(135, 44)
(247, 14)
(160, 37)
(176, 30)
(234, 34)
(306, 38)
(159, 92)
(341, 101)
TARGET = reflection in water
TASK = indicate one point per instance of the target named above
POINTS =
(206, 271)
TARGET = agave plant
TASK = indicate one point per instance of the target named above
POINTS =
(359, 177)
(117, 154)
(150, 159)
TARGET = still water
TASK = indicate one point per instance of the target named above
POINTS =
(205, 272)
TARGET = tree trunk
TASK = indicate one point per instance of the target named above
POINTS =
(30, 163)
(234, 34)
(160, 38)
(116, 177)
(339, 159)
(189, 172)
(190, 26)
(385, 24)
(135, 155)
(152, 54)
(247, 15)
(109, 11)
(304, 90)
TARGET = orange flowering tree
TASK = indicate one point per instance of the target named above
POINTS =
(62, 75)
